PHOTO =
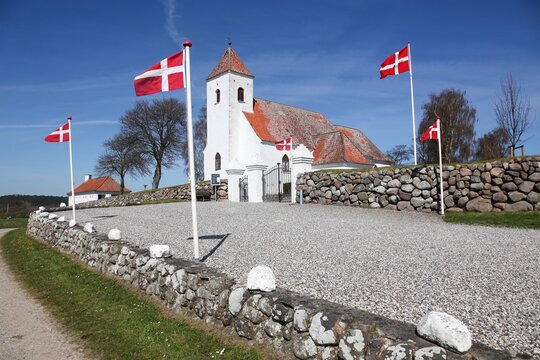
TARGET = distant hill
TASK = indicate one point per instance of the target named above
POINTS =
(21, 205)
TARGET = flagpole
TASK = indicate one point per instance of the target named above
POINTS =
(71, 167)
(412, 103)
(440, 164)
(293, 198)
(187, 45)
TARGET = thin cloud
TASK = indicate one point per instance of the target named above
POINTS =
(35, 126)
(170, 20)
(68, 86)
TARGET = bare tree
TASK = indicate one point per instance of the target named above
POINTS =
(400, 154)
(160, 128)
(199, 143)
(458, 119)
(512, 111)
(492, 145)
(123, 155)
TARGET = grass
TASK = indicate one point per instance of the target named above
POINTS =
(13, 223)
(528, 220)
(112, 321)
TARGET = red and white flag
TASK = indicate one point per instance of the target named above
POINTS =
(284, 144)
(396, 63)
(166, 75)
(59, 135)
(432, 133)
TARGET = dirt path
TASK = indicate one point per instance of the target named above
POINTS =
(27, 331)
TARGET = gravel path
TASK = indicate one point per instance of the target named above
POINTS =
(27, 331)
(397, 264)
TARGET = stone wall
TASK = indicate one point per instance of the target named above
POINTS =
(494, 186)
(294, 325)
(180, 192)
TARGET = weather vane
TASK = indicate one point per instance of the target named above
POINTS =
(229, 40)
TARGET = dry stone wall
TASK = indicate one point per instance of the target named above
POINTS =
(180, 192)
(296, 326)
(512, 185)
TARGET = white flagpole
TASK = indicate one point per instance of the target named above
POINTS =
(71, 168)
(187, 45)
(412, 103)
(440, 164)
(293, 181)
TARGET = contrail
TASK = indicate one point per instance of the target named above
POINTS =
(170, 20)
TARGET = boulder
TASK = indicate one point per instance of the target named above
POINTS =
(72, 223)
(44, 214)
(407, 187)
(394, 183)
(303, 346)
(509, 186)
(479, 204)
(430, 353)
(324, 329)
(61, 219)
(236, 299)
(351, 345)
(41, 208)
(53, 216)
(499, 197)
(159, 251)
(301, 319)
(519, 206)
(62, 205)
(516, 196)
(534, 177)
(526, 187)
(89, 228)
(417, 202)
(445, 330)
(115, 234)
(261, 278)
(401, 351)
(533, 197)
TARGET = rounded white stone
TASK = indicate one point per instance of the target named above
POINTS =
(261, 278)
(53, 216)
(89, 228)
(44, 214)
(72, 223)
(445, 330)
(115, 234)
(42, 208)
(158, 251)
(62, 204)
(235, 300)
(61, 219)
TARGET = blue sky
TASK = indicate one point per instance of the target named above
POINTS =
(78, 58)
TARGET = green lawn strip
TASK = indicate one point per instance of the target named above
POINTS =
(528, 220)
(13, 223)
(114, 322)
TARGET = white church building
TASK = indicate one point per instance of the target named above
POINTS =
(242, 131)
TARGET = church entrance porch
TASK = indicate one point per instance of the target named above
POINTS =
(277, 184)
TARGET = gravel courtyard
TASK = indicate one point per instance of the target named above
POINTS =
(396, 264)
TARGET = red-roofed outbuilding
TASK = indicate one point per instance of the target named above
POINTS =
(94, 189)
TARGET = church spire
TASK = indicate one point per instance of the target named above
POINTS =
(230, 62)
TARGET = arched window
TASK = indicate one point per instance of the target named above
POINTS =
(218, 161)
(285, 163)
(241, 94)
(218, 96)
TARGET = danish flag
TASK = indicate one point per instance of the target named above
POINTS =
(396, 63)
(284, 144)
(432, 133)
(166, 75)
(59, 135)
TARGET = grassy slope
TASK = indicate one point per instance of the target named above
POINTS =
(13, 223)
(114, 322)
(529, 220)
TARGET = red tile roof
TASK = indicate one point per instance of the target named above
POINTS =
(330, 143)
(230, 61)
(102, 184)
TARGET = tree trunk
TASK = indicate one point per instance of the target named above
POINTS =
(121, 185)
(157, 176)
